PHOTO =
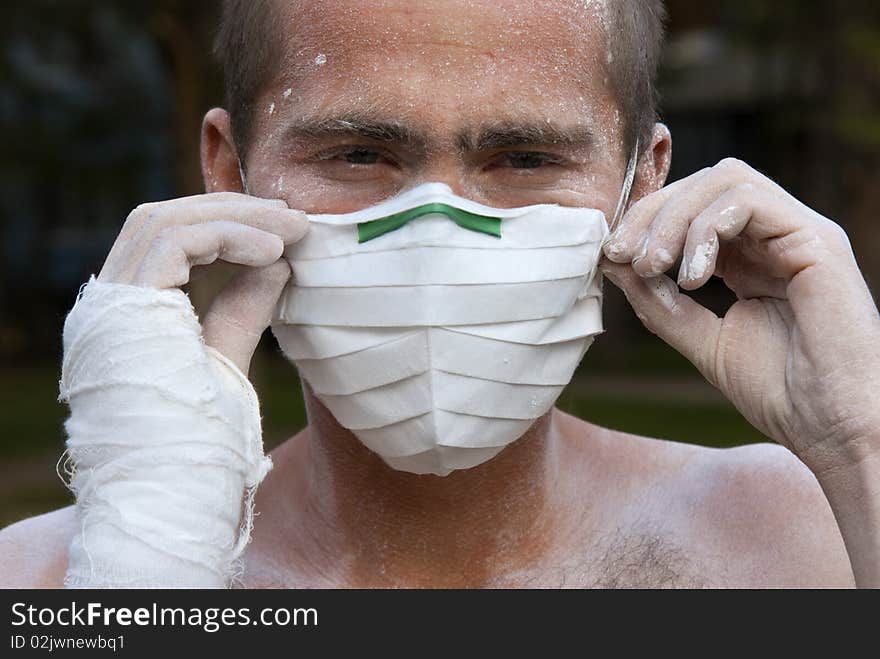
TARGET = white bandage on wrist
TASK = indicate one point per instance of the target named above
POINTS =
(164, 448)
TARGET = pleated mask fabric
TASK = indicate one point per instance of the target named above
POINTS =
(438, 336)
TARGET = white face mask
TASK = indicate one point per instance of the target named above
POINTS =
(439, 335)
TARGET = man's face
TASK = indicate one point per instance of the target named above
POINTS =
(508, 102)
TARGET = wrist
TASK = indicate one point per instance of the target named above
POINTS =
(833, 457)
(852, 488)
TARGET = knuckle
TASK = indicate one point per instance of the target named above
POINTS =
(834, 233)
(743, 190)
(669, 226)
(226, 195)
(638, 207)
(733, 167)
(170, 235)
(141, 213)
(150, 218)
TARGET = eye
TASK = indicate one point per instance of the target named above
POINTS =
(525, 160)
(351, 163)
(526, 170)
(361, 156)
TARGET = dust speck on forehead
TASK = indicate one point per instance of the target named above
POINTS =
(552, 32)
(507, 56)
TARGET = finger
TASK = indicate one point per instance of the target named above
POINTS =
(743, 267)
(133, 244)
(177, 249)
(625, 243)
(149, 212)
(290, 225)
(723, 219)
(687, 326)
(242, 311)
(153, 212)
(719, 206)
(667, 231)
(774, 227)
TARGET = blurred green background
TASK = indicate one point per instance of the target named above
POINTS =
(100, 107)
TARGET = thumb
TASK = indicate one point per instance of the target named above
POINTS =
(242, 310)
(687, 326)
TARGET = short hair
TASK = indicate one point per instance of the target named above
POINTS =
(248, 47)
(635, 43)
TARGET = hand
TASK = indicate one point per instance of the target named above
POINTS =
(798, 353)
(161, 242)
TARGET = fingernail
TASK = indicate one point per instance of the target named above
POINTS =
(682, 272)
(303, 229)
(699, 261)
(641, 250)
(299, 218)
(732, 216)
(613, 250)
(279, 246)
(295, 229)
(660, 261)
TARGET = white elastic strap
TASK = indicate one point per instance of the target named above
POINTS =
(244, 184)
(627, 186)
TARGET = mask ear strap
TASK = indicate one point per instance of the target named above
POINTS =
(627, 185)
(244, 184)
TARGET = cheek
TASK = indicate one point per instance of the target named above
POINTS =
(315, 195)
(598, 187)
(579, 194)
(302, 186)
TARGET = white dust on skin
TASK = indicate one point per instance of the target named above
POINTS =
(730, 217)
(501, 61)
(278, 186)
(661, 260)
(701, 258)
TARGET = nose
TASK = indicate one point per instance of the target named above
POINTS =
(446, 169)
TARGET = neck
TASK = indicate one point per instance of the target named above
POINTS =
(393, 528)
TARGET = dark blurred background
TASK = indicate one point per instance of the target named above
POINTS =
(101, 103)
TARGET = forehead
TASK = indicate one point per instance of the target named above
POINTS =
(440, 60)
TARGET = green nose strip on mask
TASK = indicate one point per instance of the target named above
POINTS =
(472, 221)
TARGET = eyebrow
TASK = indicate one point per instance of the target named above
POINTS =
(508, 134)
(488, 137)
(358, 126)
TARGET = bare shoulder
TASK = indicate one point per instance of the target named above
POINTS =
(753, 516)
(33, 552)
(762, 515)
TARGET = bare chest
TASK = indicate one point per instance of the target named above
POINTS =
(636, 560)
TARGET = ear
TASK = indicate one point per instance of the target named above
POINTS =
(653, 165)
(220, 170)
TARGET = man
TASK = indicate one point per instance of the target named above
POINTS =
(334, 106)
